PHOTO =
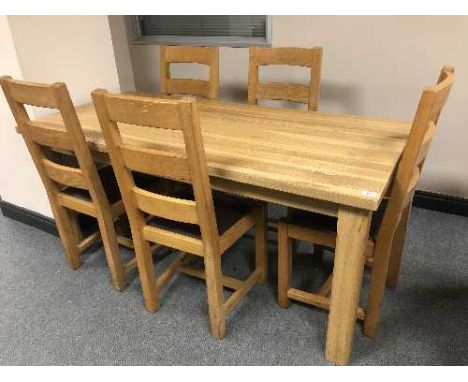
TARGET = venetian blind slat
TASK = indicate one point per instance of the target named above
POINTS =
(229, 26)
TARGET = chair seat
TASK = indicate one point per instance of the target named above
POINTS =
(321, 222)
(228, 210)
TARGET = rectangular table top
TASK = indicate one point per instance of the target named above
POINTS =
(343, 159)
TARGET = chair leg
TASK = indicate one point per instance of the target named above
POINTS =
(397, 249)
(261, 240)
(78, 234)
(284, 265)
(215, 293)
(376, 289)
(67, 228)
(112, 251)
(148, 280)
(294, 243)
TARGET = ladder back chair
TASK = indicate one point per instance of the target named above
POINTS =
(190, 221)
(388, 226)
(192, 55)
(74, 186)
(308, 57)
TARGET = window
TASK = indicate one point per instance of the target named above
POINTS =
(206, 30)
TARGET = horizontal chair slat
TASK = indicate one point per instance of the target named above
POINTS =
(236, 231)
(144, 111)
(165, 206)
(155, 162)
(173, 240)
(89, 241)
(77, 204)
(317, 236)
(285, 56)
(234, 299)
(187, 86)
(318, 301)
(47, 134)
(290, 92)
(31, 93)
(65, 175)
(189, 54)
(228, 282)
(171, 270)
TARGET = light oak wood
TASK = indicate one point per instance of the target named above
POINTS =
(311, 58)
(165, 206)
(427, 116)
(261, 243)
(234, 299)
(312, 161)
(284, 264)
(303, 233)
(173, 240)
(318, 300)
(397, 248)
(351, 243)
(353, 230)
(170, 165)
(325, 290)
(190, 54)
(259, 57)
(89, 241)
(76, 204)
(132, 264)
(34, 94)
(179, 116)
(228, 282)
(65, 175)
(49, 135)
(171, 270)
(236, 231)
(125, 241)
(163, 114)
(41, 138)
(384, 253)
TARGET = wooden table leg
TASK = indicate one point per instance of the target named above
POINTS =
(353, 231)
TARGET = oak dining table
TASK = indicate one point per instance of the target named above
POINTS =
(337, 165)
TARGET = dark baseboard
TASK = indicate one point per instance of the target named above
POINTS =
(28, 217)
(443, 203)
(422, 199)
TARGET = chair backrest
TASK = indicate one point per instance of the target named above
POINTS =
(417, 146)
(45, 140)
(311, 58)
(194, 55)
(188, 166)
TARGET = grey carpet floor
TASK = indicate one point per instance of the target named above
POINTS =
(52, 315)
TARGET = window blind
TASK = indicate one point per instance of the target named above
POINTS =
(203, 26)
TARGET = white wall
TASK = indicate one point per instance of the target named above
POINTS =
(20, 184)
(76, 50)
(372, 66)
(122, 53)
